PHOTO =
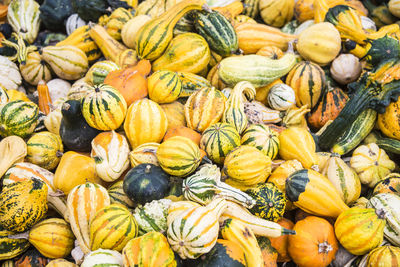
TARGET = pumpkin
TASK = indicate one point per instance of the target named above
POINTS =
(389, 184)
(276, 13)
(345, 69)
(118, 196)
(281, 243)
(319, 43)
(371, 163)
(131, 28)
(145, 122)
(164, 86)
(102, 256)
(384, 255)
(175, 112)
(145, 153)
(314, 243)
(146, 182)
(185, 132)
(18, 118)
(388, 122)
(281, 97)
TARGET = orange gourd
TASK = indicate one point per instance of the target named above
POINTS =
(44, 97)
(131, 82)
(185, 132)
(281, 243)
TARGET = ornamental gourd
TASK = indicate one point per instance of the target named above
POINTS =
(183, 131)
(145, 153)
(388, 122)
(118, 196)
(114, 23)
(23, 16)
(164, 86)
(10, 75)
(102, 256)
(263, 138)
(73, 22)
(131, 28)
(99, 71)
(345, 69)
(390, 184)
(18, 118)
(281, 97)
(276, 13)
(11, 248)
(192, 83)
(152, 216)
(61, 263)
(35, 69)
(384, 255)
(175, 112)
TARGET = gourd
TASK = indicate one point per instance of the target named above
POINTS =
(23, 204)
(152, 216)
(131, 28)
(388, 255)
(218, 140)
(296, 117)
(360, 230)
(192, 83)
(9, 74)
(187, 52)
(393, 6)
(164, 86)
(345, 69)
(145, 122)
(314, 244)
(178, 156)
(53, 13)
(204, 108)
(118, 196)
(276, 13)
(388, 121)
(110, 152)
(44, 99)
(263, 138)
(183, 131)
(23, 16)
(98, 72)
(83, 202)
(271, 52)
(319, 43)
(257, 113)
(153, 38)
(114, 23)
(304, 10)
(60, 263)
(73, 22)
(269, 253)
(111, 228)
(145, 153)
(371, 163)
(31, 257)
(175, 113)
(229, 10)
(58, 90)
(281, 243)
(45, 150)
(102, 256)
(389, 184)
(146, 182)
(18, 118)
(11, 248)
(246, 166)
(35, 69)
(185, 229)
(314, 193)
(281, 97)
(104, 108)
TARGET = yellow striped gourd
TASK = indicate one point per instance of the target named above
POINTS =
(34, 70)
(164, 86)
(263, 138)
(23, 16)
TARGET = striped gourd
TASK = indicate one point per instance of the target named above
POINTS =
(389, 203)
(67, 61)
(23, 16)
(98, 72)
(52, 237)
(307, 79)
(145, 153)
(112, 227)
(390, 184)
(10, 248)
(114, 23)
(79, 89)
(178, 156)
(204, 108)
(194, 231)
(281, 97)
(81, 39)
(131, 28)
(102, 257)
(45, 150)
(150, 250)
(10, 77)
(234, 111)
(23, 204)
(110, 151)
(104, 108)
(118, 196)
(61, 262)
(263, 138)
(164, 86)
(153, 38)
(175, 112)
(192, 83)
(25, 171)
(18, 118)
(3, 95)
(218, 32)
(251, 8)
(152, 216)
(187, 52)
(83, 202)
(218, 140)
(145, 122)
(246, 166)
(35, 69)
(205, 185)
(384, 256)
(73, 22)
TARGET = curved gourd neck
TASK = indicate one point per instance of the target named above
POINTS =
(173, 15)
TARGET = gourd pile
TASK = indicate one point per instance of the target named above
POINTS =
(193, 133)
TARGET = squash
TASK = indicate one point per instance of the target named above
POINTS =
(10, 75)
(73, 22)
(314, 243)
(60, 263)
(270, 51)
(304, 10)
(136, 251)
(345, 69)
(263, 138)
(82, 208)
(35, 69)
(131, 28)
(246, 166)
(281, 97)
(296, 117)
(118, 196)
(53, 13)
(23, 16)
(360, 230)
(154, 8)
(319, 43)
(45, 150)
(393, 6)
(307, 79)
(297, 143)
(229, 10)
(257, 113)
(11, 248)
(111, 228)
(384, 255)
(371, 163)
(192, 83)
(23, 204)
(115, 21)
(188, 52)
(146, 182)
(18, 118)
(175, 112)
(110, 152)
(281, 243)
(102, 256)
(389, 184)
(145, 153)
(145, 122)
(31, 257)
(98, 72)
(164, 86)
(388, 122)
(152, 216)
(204, 108)
(276, 13)
(185, 132)
(314, 193)
(269, 253)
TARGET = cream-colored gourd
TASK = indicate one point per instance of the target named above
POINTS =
(131, 28)
(346, 68)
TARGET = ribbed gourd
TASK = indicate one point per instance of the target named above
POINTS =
(99, 71)
(281, 97)
(118, 196)
(164, 86)
(384, 255)
(191, 83)
(276, 13)
(11, 248)
(18, 118)
(263, 138)
(35, 69)
(145, 153)
(10, 77)
(175, 113)
(23, 16)
(45, 150)
(390, 184)
(105, 257)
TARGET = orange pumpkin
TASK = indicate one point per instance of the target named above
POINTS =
(185, 132)
(281, 243)
(314, 244)
(131, 82)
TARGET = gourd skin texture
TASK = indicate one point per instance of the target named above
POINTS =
(389, 122)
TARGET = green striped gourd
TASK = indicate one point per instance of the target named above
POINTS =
(68, 62)
(112, 227)
(164, 86)
(11, 248)
(263, 138)
(103, 257)
(18, 118)
(205, 185)
(192, 83)
(218, 140)
(251, 8)
(23, 16)
(118, 196)
(389, 203)
(10, 77)
(35, 69)
(218, 32)
(98, 72)
(3, 95)
(281, 97)
(23, 204)
(153, 38)
(83, 202)
(152, 216)
(234, 111)
(104, 108)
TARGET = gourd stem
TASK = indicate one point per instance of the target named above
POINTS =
(230, 193)
(380, 213)
(148, 168)
(324, 247)
(24, 235)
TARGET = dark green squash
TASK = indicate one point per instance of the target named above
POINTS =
(146, 182)
(75, 133)
(270, 201)
(32, 258)
(54, 12)
(92, 10)
(10, 248)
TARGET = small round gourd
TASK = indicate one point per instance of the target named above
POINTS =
(118, 196)
(263, 138)
(281, 97)
(346, 68)
(99, 71)
(104, 257)
(164, 86)
(384, 256)
(144, 153)
(389, 122)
